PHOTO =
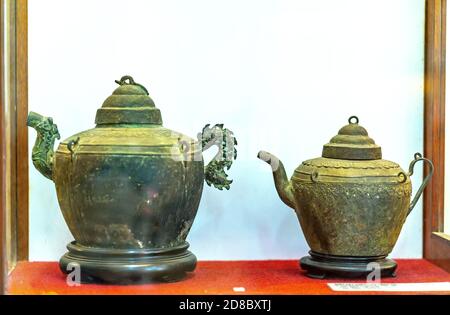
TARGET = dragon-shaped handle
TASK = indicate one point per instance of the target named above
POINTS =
(224, 139)
(47, 132)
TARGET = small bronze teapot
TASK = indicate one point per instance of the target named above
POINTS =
(129, 189)
(351, 204)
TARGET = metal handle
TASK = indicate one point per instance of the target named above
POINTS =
(418, 157)
(224, 139)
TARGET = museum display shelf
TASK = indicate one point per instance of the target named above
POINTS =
(221, 277)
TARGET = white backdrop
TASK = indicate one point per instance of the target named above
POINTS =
(283, 75)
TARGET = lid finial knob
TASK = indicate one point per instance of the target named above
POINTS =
(353, 120)
(123, 81)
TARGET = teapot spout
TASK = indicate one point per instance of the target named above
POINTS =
(47, 132)
(282, 184)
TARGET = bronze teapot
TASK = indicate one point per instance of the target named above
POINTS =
(129, 189)
(351, 204)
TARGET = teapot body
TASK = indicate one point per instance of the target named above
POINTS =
(128, 187)
(351, 208)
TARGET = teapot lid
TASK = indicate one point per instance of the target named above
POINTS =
(129, 104)
(352, 143)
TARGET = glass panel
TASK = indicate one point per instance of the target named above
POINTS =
(307, 57)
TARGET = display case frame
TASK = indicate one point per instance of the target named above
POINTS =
(14, 135)
(436, 244)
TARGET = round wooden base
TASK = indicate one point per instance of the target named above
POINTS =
(123, 266)
(324, 266)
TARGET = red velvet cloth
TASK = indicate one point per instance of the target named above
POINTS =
(217, 277)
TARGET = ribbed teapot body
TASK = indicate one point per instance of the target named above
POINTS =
(129, 186)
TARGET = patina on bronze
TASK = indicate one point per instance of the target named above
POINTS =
(351, 204)
(129, 189)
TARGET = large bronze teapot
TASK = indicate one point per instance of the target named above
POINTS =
(129, 188)
(351, 204)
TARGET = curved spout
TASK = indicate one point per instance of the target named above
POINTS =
(47, 132)
(283, 185)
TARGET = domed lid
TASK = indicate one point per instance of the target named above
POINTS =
(129, 104)
(352, 143)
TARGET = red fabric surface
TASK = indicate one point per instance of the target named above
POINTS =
(217, 277)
